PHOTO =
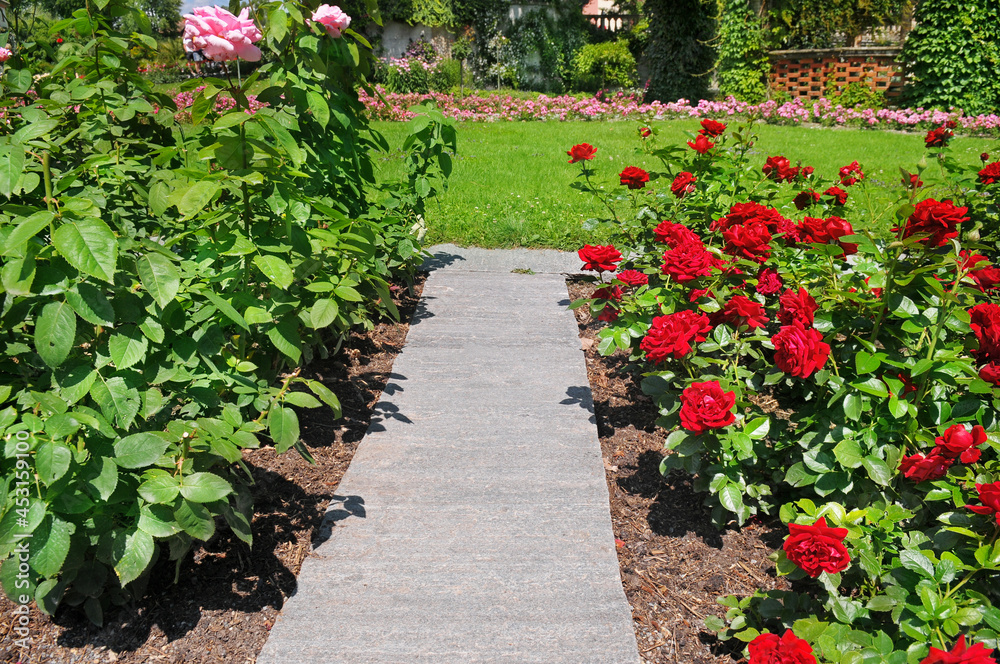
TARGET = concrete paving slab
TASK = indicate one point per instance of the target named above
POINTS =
(473, 524)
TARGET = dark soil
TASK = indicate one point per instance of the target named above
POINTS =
(674, 562)
(228, 595)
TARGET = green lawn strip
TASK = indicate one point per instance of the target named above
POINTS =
(510, 186)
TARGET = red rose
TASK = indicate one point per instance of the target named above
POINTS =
(990, 174)
(799, 351)
(990, 373)
(987, 278)
(698, 293)
(989, 496)
(634, 177)
(645, 132)
(750, 241)
(688, 261)
(740, 311)
(806, 171)
(912, 181)
(609, 314)
(683, 184)
(705, 406)
(789, 649)
(599, 258)
(985, 324)
(813, 229)
(959, 443)
(805, 198)
(701, 144)
(671, 234)
(817, 548)
(919, 468)
(711, 128)
(851, 174)
(779, 169)
(984, 157)
(632, 278)
(798, 306)
(839, 195)
(977, 654)
(938, 137)
(581, 152)
(609, 293)
(742, 213)
(837, 228)
(937, 221)
(768, 281)
(877, 292)
(671, 335)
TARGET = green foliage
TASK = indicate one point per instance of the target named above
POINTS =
(162, 286)
(743, 65)
(857, 94)
(822, 23)
(679, 55)
(543, 43)
(953, 54)
(606, 65)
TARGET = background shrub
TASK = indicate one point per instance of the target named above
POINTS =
(601, 66)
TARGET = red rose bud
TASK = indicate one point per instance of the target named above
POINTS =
(817, 548)
(990, 174)
(959, 654)
(805, 198)
(767, 648)
(683, 184)
(632, 278)
(839, 195)
(705, 406)
(671, 234)
(634, 177)
(599, 258)
(768, 281)
(645, 132)
(671, 335)
(851, 174)
(984, 157)
(711, 128)
(686, 262)
(797, 307)
(701, 144)
(937, 138)
(919, 468)
(934, 222)
(912, 181)
(581, 152)
(799, 351)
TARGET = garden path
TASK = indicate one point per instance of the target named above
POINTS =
(473, 523)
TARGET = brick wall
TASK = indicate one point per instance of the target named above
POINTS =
(811, 74)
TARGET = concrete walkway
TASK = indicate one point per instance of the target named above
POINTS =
(473, 523)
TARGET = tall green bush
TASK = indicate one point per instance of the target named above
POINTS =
(680, 55)
(743, 65)
(605, 65)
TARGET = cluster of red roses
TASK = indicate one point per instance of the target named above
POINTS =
(957, 444)
(985, 324)
(939, 136)
(789, 649)
(780, 169)
(935, 221)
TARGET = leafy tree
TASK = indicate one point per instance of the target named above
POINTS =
(679, 54)
(819, 23)
(743, 64)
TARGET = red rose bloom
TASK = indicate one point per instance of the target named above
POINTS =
(912, 181)
(581, 152)
(750, 241)
(938, 221)
(851, 174)
(798, 307)
(599, 258)
(990, 373)
(683, 184)
(705, 406)
(938, 137)
(743, 213)
(645, 132)
(989, 496)
(632, 278)
(805, 198)
(768, 281)
(969, 260)
(671, 234)
(671, 335)
(836, 228)
(711, 128)
(990, 174)
(839, 195)
(767, 648)
(609, 293)
(779, 169)
(799, 351)
(987, 278)
(813, 229)
(977, 654)
(919, 468)
(740, 311)
(701, 144)
(698, 293)
(609, 314)
(806, 171)
(985, 325)
(984, 157)
(634, 177)
(958, 443)
(817, 548)
(688, 261)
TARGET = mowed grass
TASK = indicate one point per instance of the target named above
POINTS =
(511, 181)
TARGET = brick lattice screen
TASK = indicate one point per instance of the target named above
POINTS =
(811, 74)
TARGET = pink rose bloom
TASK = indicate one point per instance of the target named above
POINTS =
(4, 54)
(222, 36)
(332, 19)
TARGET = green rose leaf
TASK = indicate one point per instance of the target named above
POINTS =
(55, 333)
(89, 246)
(140, 449)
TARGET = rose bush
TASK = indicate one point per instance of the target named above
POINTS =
(876, 332)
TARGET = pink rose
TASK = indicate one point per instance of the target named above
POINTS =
(4, 54)
(332, 19)
(222, 36)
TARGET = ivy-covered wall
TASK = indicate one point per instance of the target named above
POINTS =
(680, 55)
(742, 65)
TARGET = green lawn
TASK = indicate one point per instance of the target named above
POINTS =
(510, 185)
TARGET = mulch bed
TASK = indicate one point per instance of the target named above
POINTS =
(674, 562)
